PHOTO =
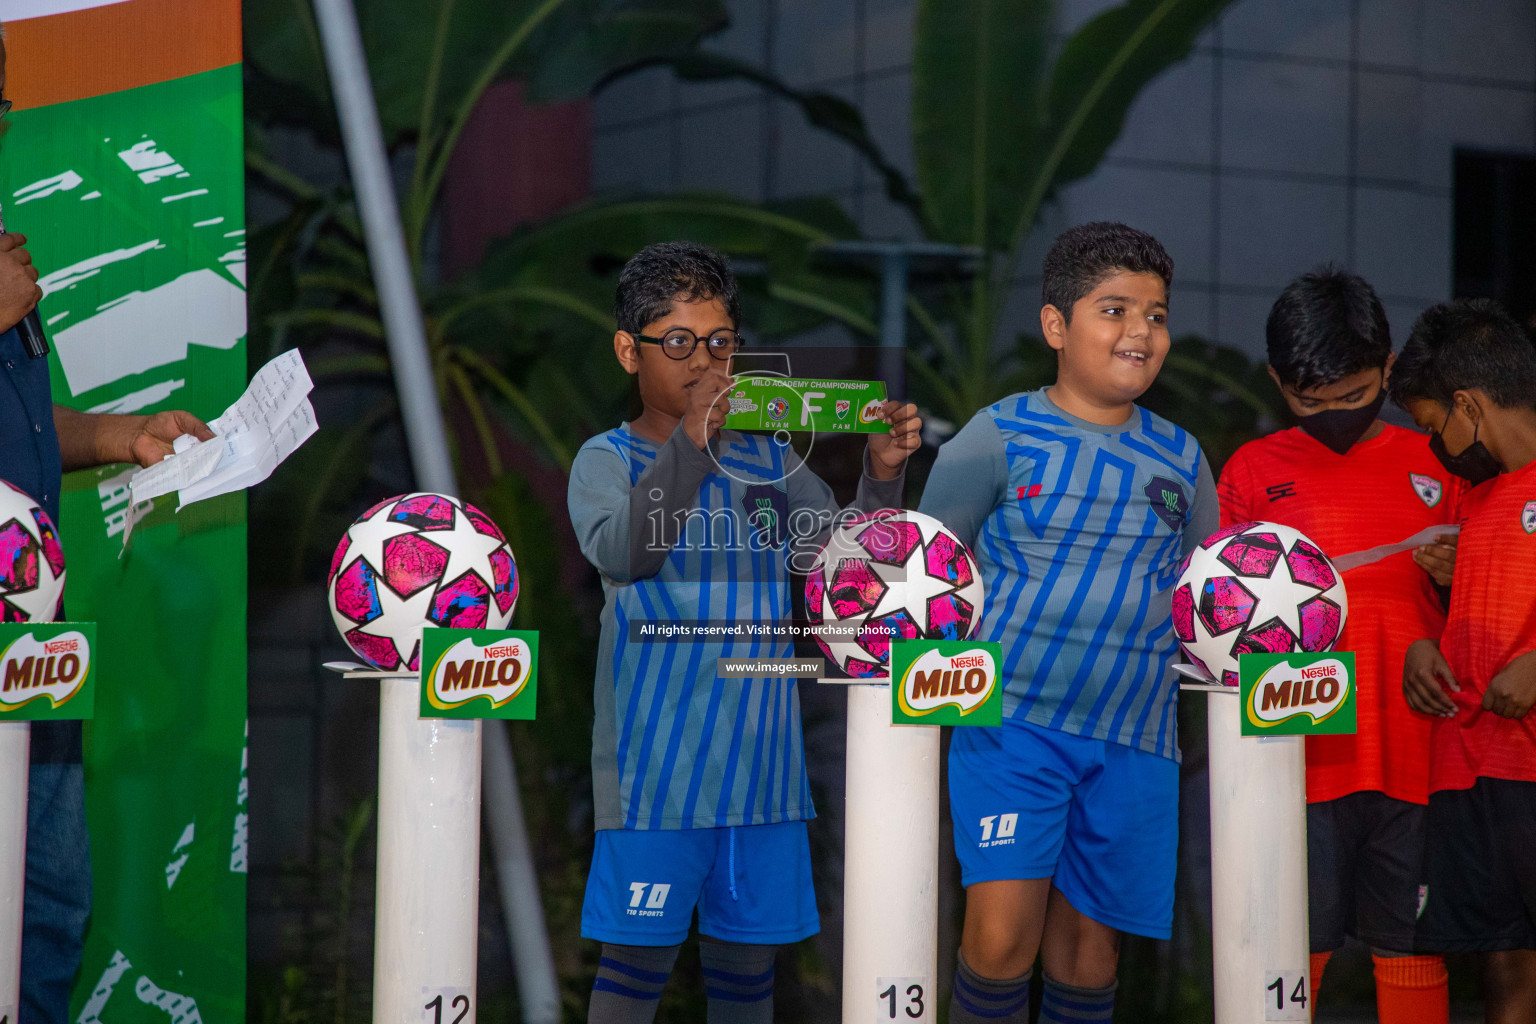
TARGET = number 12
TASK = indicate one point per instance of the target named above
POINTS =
(460, 1002)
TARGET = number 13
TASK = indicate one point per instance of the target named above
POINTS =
(914, 1007)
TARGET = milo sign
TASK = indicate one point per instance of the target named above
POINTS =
(946, 682)
(1297, 694)
(46, 671)
(479, 673)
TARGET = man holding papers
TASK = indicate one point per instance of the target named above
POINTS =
(39, 441)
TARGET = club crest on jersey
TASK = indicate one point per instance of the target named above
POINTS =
(1167, 501)
(767, 509)
(1427, 488)
(1528, 517)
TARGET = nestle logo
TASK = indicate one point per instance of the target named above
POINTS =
(975, 661)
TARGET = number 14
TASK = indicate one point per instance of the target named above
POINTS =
(1286, 996)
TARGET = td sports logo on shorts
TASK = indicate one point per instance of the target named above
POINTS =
(648, 899)
(1002, 834)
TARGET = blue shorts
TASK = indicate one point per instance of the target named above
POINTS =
(751, 884)
(1098, 818)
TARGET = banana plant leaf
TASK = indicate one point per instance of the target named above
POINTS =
(978, 112)
(429, 58)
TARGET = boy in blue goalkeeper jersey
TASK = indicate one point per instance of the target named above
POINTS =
(1079, 506)
(698, 781)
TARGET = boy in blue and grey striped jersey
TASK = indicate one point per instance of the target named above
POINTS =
(1079, 506)
(699, 782)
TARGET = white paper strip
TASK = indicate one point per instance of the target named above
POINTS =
(1356, 559)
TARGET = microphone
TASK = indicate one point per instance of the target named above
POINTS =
(32, 337)
(33, 340)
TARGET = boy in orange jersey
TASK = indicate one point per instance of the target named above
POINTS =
(1350, 482)
(1468, 375)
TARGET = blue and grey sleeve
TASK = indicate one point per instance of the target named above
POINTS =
(616, 524)
(1205, 512)
(969, 479)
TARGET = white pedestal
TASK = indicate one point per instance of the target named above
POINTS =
(890, 864)
(1258, 869)
(15, 745)
(428, 901)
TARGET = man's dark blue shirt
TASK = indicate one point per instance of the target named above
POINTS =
(29, 446)
(29, 459)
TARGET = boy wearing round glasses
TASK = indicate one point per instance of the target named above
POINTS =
(699, 785)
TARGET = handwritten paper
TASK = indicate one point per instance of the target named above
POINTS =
(253, 436)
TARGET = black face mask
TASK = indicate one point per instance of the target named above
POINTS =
(1339, 429)
(1475, 464)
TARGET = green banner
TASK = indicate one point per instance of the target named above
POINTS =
(134, 205)
(946, 682)
(822, 406)
(1297, 694)
(46, 671)
(479, 673)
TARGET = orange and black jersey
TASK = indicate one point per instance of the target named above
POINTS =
(1492, 621)
(1381, 491)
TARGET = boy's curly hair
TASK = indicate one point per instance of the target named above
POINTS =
(668, 272)
(1083, 256)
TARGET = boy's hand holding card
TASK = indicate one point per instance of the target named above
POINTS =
(888, 452)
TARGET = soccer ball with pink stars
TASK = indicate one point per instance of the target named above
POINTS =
(413, 561)
(1256, 588)
(31, 560)
(891, 574)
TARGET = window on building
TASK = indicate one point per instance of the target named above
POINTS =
(1495, 230)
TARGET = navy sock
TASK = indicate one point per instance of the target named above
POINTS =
(978, 1000)
(738, 978)
(629, 981)
(1068, 1004)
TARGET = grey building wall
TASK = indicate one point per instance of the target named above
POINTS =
(1299, 131)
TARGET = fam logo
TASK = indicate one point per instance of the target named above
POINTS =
(778, 408)
(642, 904)
(1167, 499)
(1006, 824)
(495, 672)
(54, 669)
(1427, 488)
(1528, 517)
(1285, 692)
(936, 680)
(842, 408)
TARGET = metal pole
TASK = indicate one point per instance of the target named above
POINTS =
(1258, 870)
(893, 299)
(15, 745)
(893, 321)
(376, 205)
(538, 991)
(890, 864)
(428, 444)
